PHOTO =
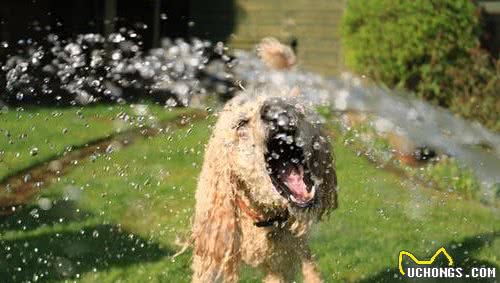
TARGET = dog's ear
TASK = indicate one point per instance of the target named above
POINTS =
(295, 91)
(326, 170)
(216, 229)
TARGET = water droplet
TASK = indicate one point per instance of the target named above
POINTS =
(316, 146)
(45, 203)
(299, 142)
(34, 151)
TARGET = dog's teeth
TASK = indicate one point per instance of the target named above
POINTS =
(293, 198)
(313, 192)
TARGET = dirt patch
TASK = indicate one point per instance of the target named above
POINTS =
(22, 187)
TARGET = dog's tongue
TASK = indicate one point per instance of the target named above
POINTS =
(293, 177)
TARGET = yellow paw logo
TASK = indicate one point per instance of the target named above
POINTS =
(423, 262)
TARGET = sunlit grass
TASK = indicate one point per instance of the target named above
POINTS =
(117, 219)
(31, 135)
(381, 214)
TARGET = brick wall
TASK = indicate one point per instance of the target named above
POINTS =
(243, 23)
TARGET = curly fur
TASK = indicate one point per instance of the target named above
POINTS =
(276, 55)
(235, 168)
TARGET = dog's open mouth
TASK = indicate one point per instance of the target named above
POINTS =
(285, 160)
(288, 171)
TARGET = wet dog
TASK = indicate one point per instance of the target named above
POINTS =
(276, 55)
(268, 175)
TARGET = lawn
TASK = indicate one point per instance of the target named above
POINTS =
(118, 218)
(31, 135)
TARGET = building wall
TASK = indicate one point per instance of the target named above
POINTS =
(314, 24)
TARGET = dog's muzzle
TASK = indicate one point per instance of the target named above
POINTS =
(286, 157)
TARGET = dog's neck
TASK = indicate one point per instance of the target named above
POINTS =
(259, 220)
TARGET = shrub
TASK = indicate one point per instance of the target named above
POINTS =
(409, 44)
(448, 175)
(475, 83)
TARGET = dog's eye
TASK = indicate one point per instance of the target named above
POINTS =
(241, 123)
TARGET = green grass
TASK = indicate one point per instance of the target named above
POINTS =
(116, 219)
(31, 135)
(445, 174)
(381, 214)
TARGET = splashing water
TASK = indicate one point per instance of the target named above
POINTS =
(420, 122)
(91, 68)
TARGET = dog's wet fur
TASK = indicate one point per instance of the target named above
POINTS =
(268, 175)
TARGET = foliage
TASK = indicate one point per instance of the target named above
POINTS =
(409, 43)
(475, 85)
(448, 175)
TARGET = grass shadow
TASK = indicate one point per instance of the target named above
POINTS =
(69, 254)
(462, 254)
(33, 217)
(47, 251)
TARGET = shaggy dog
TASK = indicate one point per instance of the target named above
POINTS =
(268, 175)
(276, 55)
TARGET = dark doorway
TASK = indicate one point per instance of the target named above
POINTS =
(22, 19)
(175, 19)
(152, 19)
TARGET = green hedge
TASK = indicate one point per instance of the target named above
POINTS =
(409, 44)
(475, 84)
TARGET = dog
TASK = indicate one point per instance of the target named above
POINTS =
(276, 55)
(268, 175)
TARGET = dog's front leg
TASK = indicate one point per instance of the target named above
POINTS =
(309, 268)
(310, 271)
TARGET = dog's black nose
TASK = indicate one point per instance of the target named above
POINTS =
(281, 115)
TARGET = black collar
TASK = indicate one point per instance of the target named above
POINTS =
(258, 219)
(276, 221)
